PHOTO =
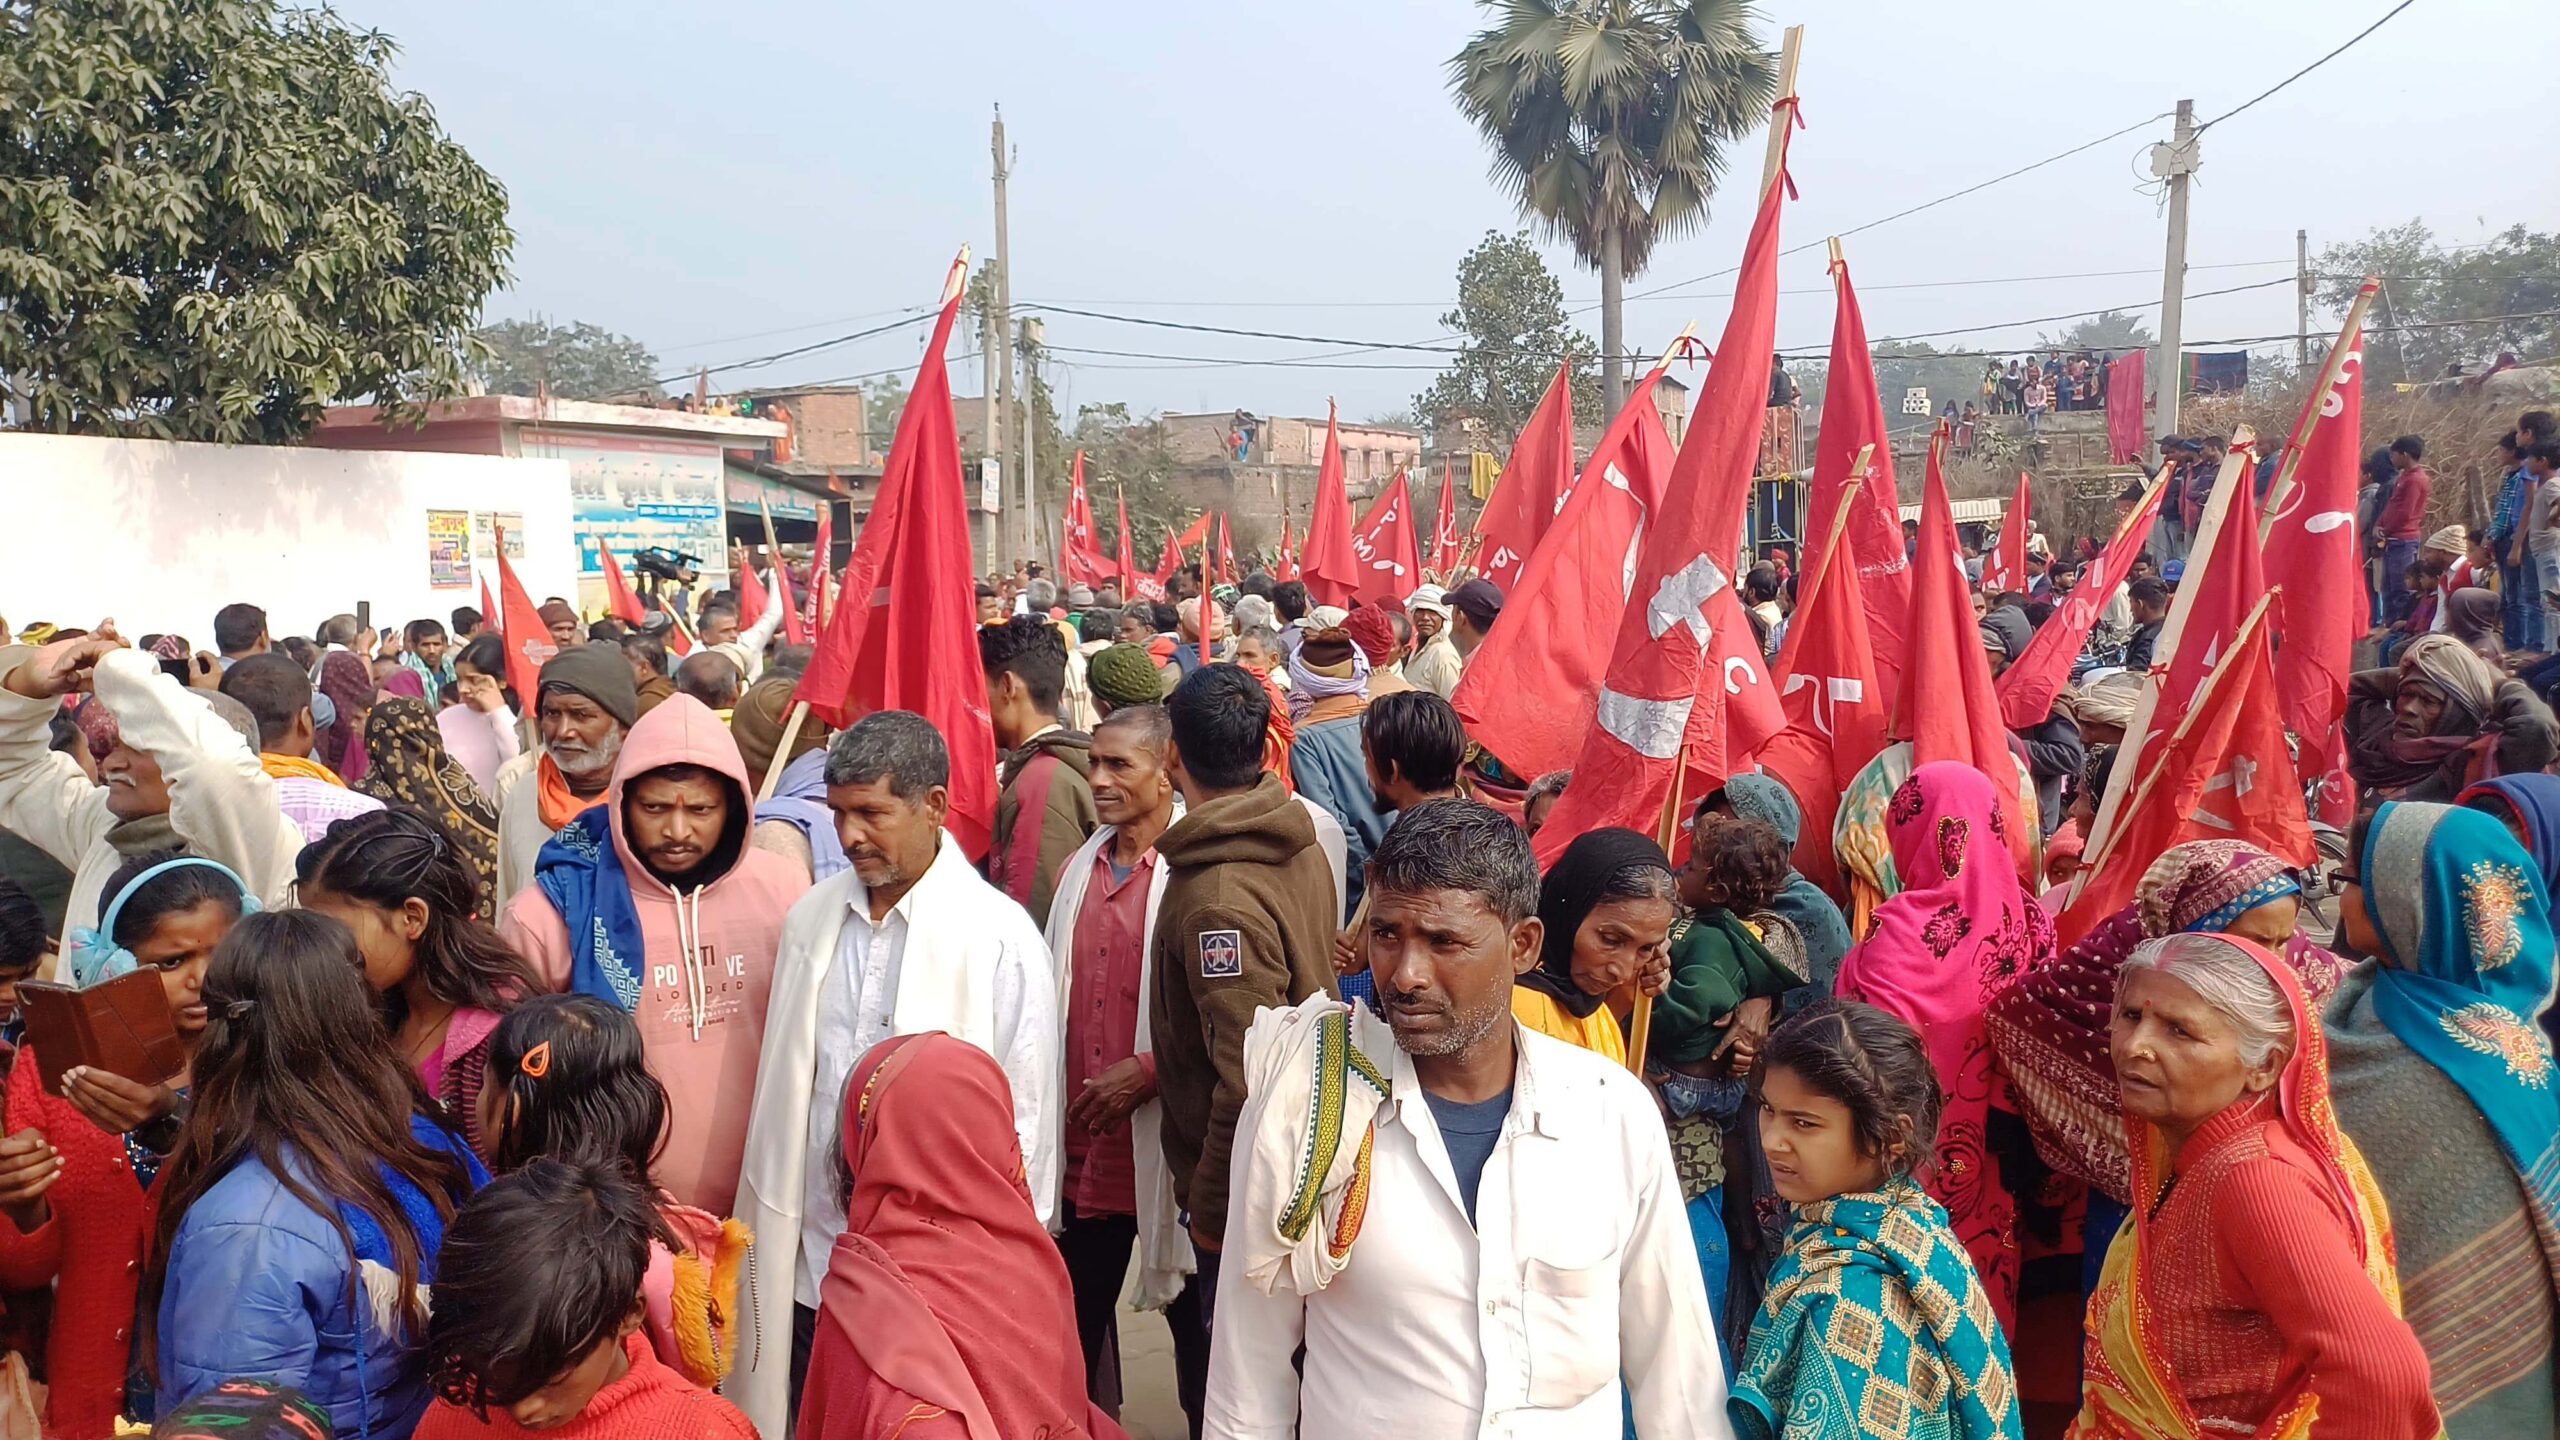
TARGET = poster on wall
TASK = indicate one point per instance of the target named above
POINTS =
(633, 493)
(485, 525)
(448, 549)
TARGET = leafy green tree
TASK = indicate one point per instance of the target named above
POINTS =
(1127, 455)
(217, 217)
(1608, 120)
(2113, 330)
(572, 362)
(884, 400)
(2517, 273)
(1513, 330)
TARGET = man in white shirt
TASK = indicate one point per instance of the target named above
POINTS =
(1523, 1245)
(1435, 665)
(910, 939)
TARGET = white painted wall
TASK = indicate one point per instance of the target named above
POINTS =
(161, 535)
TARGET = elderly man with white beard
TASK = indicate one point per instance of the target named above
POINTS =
(586, 701)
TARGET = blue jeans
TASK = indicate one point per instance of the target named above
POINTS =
(2512, 597)
(2397, 598)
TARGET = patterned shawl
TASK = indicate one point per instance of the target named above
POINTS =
(1875, 1324)
(408, 766)
(580, 872)
(348, 682)
(2466, 934)
(1863, 840)
(2049, 1027)
(2534, 801)
(1961, 927)
(2129, 1391)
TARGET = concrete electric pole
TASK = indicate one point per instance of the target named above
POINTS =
(1035, 533)
(2175, 163)
(1000, 330)
(2302, 298)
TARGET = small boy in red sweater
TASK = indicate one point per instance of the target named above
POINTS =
(537, 1314)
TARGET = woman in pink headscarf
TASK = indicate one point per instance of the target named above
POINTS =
(348, 682)
(1960, 927)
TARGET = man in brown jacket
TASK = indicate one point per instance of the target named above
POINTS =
(1045, 810)
(1247, 921)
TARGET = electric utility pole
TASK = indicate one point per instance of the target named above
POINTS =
(1000, 331)
(2302, 298)
(2175, 163)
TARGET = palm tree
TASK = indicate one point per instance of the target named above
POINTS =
(1609, 119)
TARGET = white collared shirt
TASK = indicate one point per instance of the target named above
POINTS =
(1578, 1270)
(856, 1006)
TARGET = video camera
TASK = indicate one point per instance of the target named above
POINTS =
(674, 566)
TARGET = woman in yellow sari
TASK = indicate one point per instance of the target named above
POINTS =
(1608, 904)
(2253, 1292)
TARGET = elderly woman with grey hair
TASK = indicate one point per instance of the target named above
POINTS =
(2255, 1286)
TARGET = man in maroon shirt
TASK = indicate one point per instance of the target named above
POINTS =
(1100, 932)
(2402, 521)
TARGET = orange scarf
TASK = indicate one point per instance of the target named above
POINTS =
(303, 767)
(560, 804)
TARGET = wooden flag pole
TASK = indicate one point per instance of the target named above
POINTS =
(1640, 1025)
(1839, 528)
(790, 732)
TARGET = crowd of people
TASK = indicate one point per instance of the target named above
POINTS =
(634, 1057)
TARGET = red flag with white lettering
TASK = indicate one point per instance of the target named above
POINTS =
(528, 640)
(907, 636)
(2311, 556)
(1835, 706)
(1529, 692)
(1390, 565)
(2224, 774)
(1853, 425)
(1082, 561)
(1686, 696)
(1330, 568)
(2028, 686)
(1444, 528)
(1530, 494)
(1946, 706)
(2006, 569)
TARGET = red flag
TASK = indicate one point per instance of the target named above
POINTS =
(750, 588)
(528, 640)
(1129, 576)
(2225, 588)
(908, 638)
(1215, 568)
(1531, 493)
(1686, 693)
(2028, 686)
(1444, 528)
(2311, 557)
(2126, 402)
(794, 631)
(821, 575)
(2224, 775)
(618, 598)
(1167, 567)
(489, 615)
(1286, 566)
(1332, 571)
(2006, 570)
(1082, 560)
(1226, 552)
(1835, 705)
(1390, 564)
(1529, 692)
(1946, 707)
(1853, 425)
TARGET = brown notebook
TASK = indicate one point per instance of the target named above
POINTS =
(121, 1026)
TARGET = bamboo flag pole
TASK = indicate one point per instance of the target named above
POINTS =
(1839, 528)
(2331, 369)
(1772, 169)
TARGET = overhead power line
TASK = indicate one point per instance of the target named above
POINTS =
(2307, 69)
(797, 350)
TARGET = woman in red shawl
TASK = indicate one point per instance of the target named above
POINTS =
(945, 1314)
(1961, 926)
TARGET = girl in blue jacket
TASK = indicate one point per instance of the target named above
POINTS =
(303, 1206)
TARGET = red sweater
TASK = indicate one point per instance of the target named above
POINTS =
(650, 1402)
(2404, 516)
(89, 1249)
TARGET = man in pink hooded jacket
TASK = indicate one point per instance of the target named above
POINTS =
(656, 901)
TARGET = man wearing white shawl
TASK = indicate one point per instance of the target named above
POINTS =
(1470, 1229)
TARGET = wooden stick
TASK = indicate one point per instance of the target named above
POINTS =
(2331, 369)
(1782, 115)
(782, 747)
(1640, 1028)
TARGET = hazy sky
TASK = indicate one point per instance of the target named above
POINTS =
(725, 181)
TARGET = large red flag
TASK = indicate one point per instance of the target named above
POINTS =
(2007, 568)
(1946, 706)
(1530, 494)
(908, 637)
(1835, 705)
(1390, 564)
(1530, 691)
(2311, 557)
(1129, 574)
(1082, 561)
(1329, 566)
(1852, 426)
(1444, 528)
(2127, 403)
(2028, 686)
(618, 598)
(1686, 695)
(2225, 589)
(2224, 774)
(528, 640)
